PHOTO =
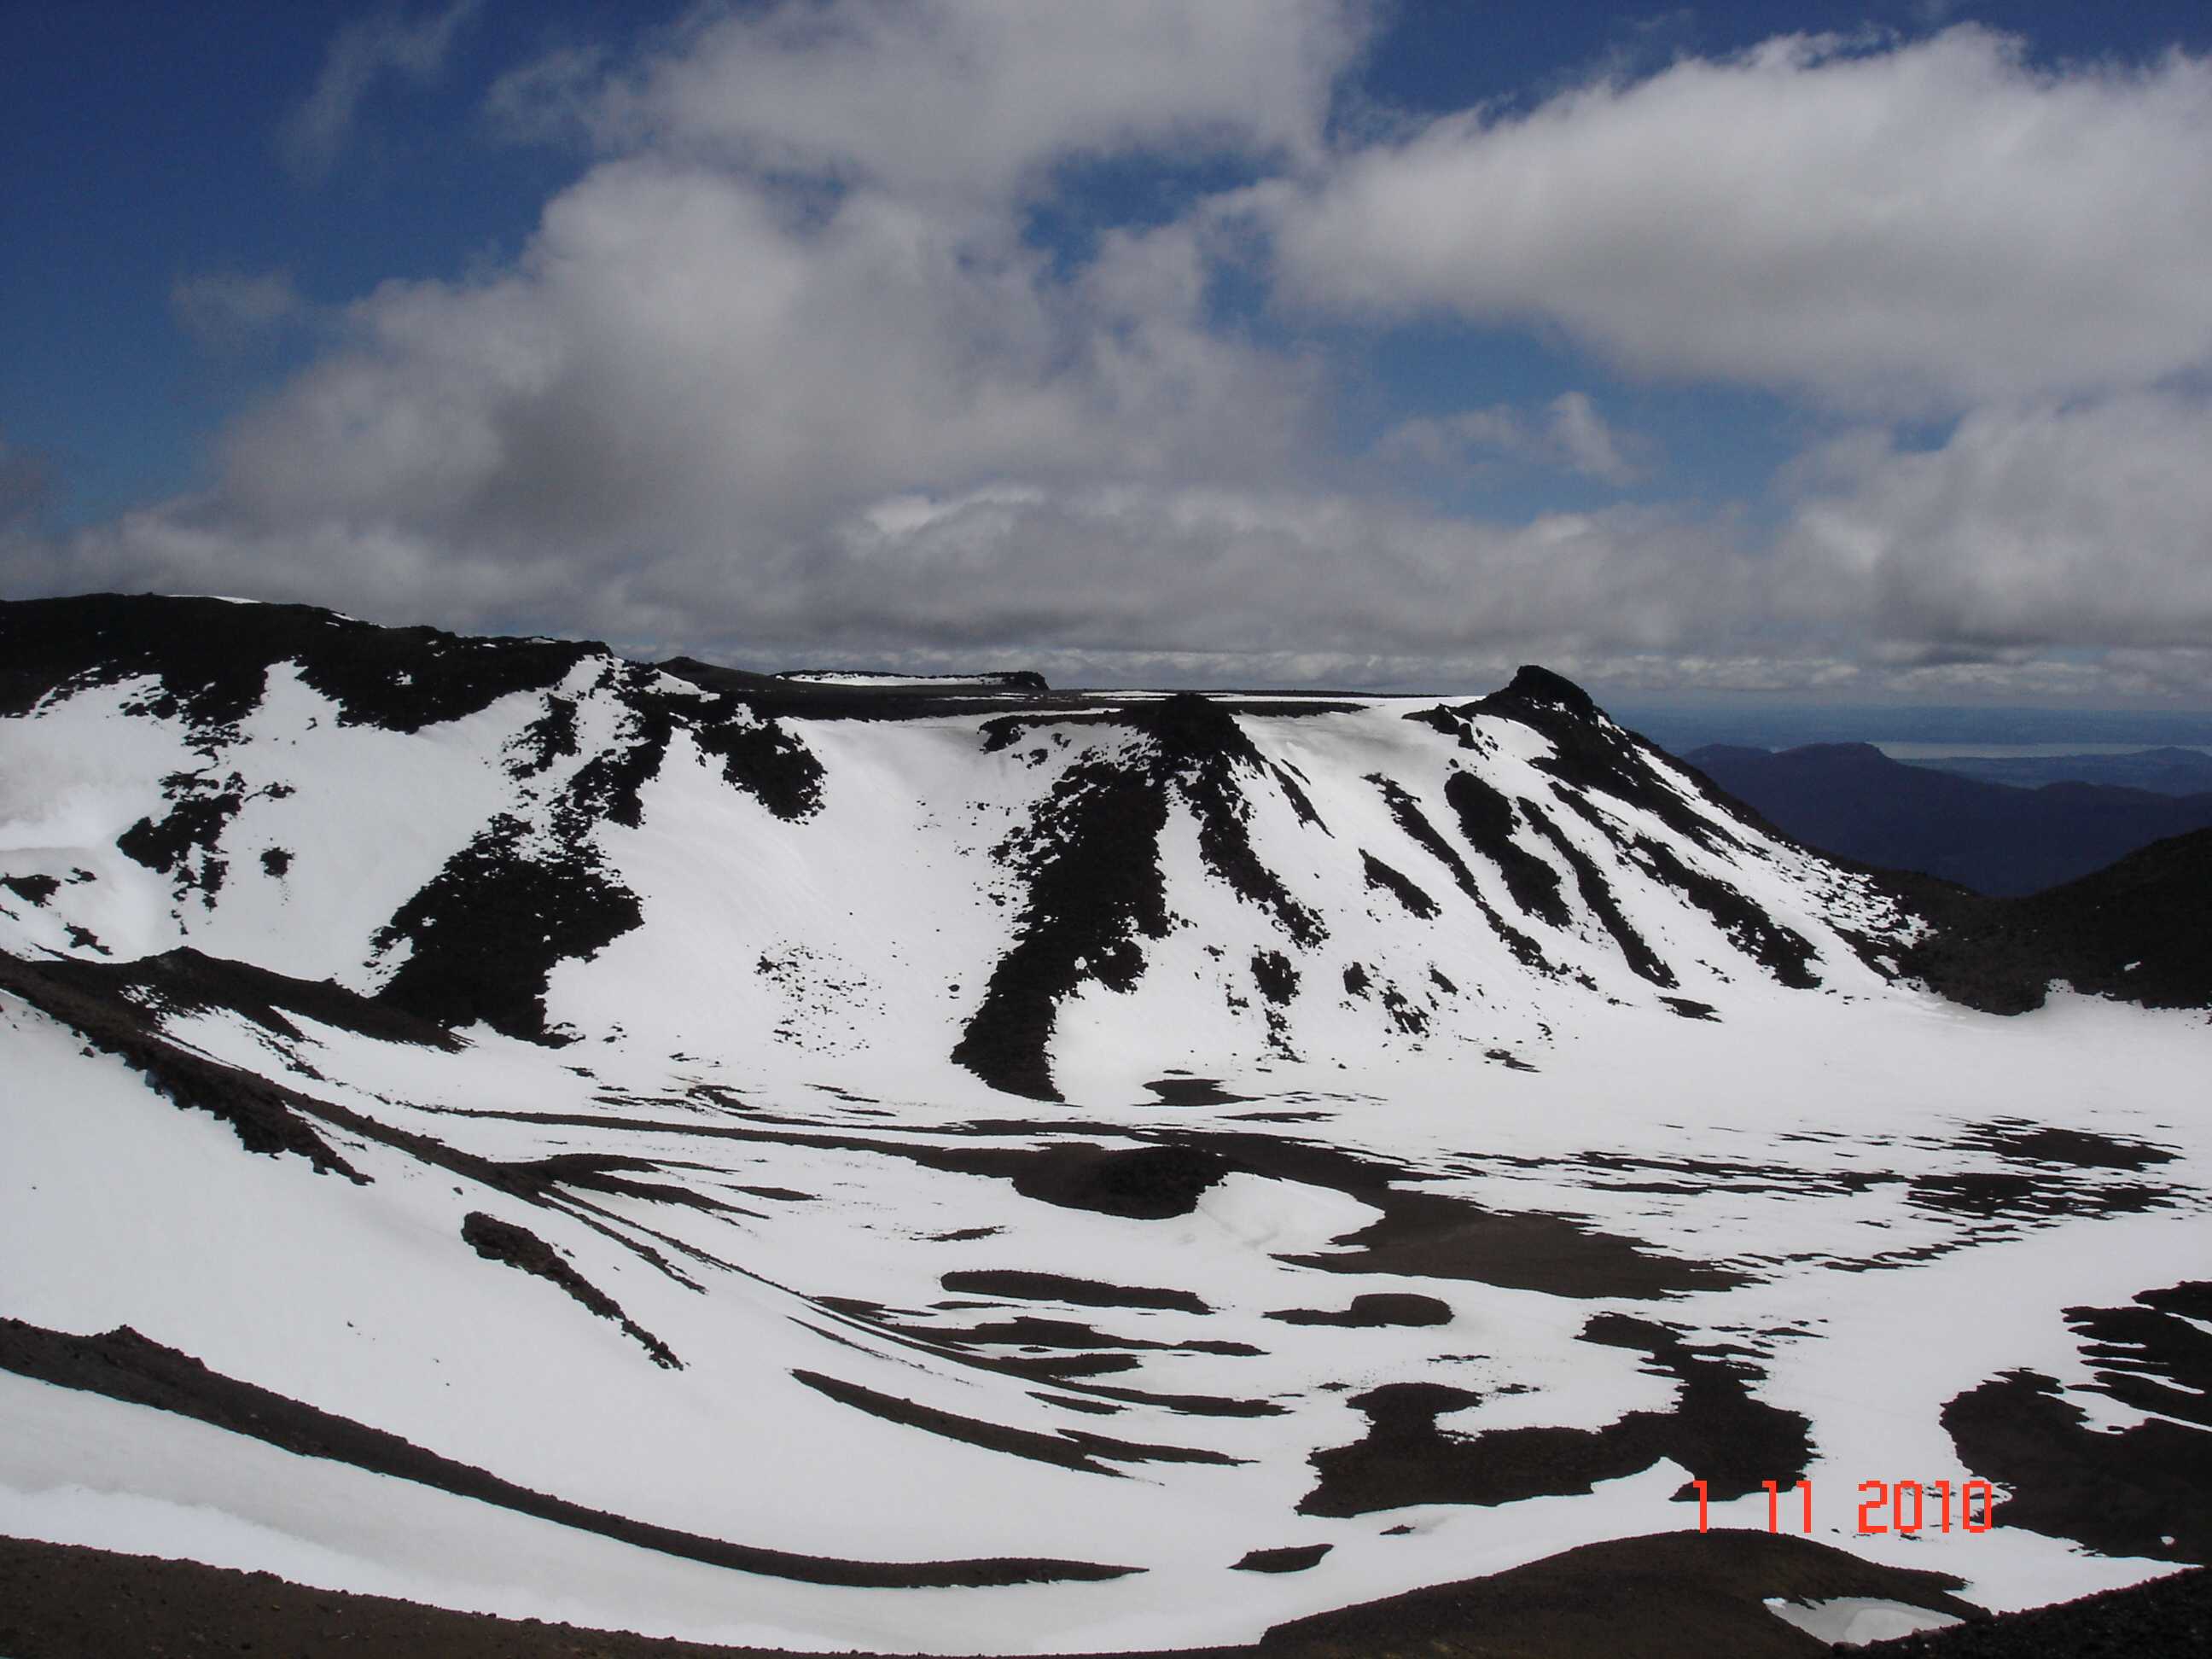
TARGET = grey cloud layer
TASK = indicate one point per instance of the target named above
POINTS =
(779, 375)
(1569, 433)
(682, 359)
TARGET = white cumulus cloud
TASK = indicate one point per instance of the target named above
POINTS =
(2083, 525)
(1890, 227)
(784, 375)
(968, 97)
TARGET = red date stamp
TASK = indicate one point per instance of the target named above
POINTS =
(1900, 1506)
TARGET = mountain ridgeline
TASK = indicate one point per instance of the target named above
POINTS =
(475, 827)
(716, 1154)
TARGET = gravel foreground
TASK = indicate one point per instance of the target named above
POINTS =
(2170, 1615)
(1669, 1596)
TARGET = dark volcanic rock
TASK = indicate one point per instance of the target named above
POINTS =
(1375, 1311)
(2020, 1141)
(1057, 1287)
(1208, 1091)
(200, 810)
(1590, 752)
(1669, 1595)
(184, 980)
(267, 1117)
(1149, 1183)
(484, 935)
(1070, 1448)
(1436, 1236)
(1091, 860)
(1291, 1558)
(550, 736)
(1597, 895)
(1536, 694)
(2172, 1615)
(518, 1247)
(762, 758)
(2141, 931)
(1209, 758)
(212, 659)
(2125, 1492)
(34, 889)
(1717, 1429)
(1781, 951)
(1416, 824)
(1278, 981)
(1486, 819)
(1381, 876)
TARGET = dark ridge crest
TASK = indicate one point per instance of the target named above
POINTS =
(1534, 689)
(767, 761)
(997, 680)
(1590, 752)
(771, 695)
(185, 981)
(1442, 719)
(266, 1117)
(213, 657)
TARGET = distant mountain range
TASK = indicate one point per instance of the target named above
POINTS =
(1850, 800)
(2163, 771)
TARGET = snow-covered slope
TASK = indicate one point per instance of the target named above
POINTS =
(961, 1167)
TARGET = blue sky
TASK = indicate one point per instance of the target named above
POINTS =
(1819, 351)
